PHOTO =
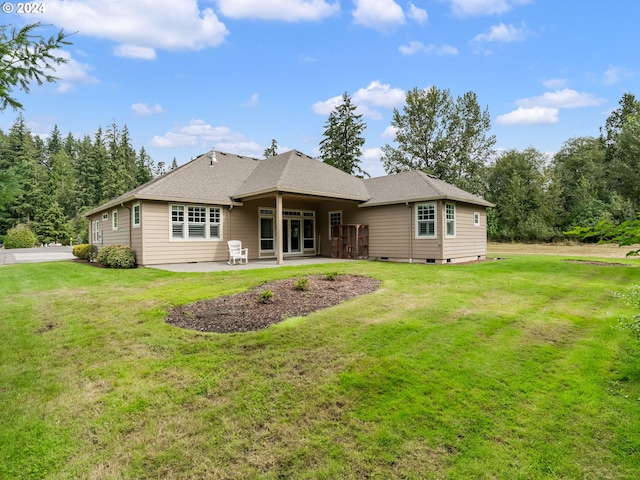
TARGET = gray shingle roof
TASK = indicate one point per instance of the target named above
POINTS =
(231, 178)
(295, 172)
(415, 186)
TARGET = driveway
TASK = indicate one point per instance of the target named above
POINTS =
(31, 255)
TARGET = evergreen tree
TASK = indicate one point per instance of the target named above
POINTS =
(342, 144)
(271, 151)
(144, 167)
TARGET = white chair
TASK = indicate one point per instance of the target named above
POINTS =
(236, 252)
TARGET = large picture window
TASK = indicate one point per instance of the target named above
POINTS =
(194, 222)
(426, 220)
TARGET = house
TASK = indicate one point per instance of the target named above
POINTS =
(284, 206)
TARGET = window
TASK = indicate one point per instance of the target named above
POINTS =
(450, 211)
(114, 220)
(335, 218)
(105, 216)
(95, 232)
(426, 220)
(195, 222)
(476, 219)
(267, 233)
(308, 233)
(135, 217)
(215, 215)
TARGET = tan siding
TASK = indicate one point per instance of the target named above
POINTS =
(160, 249)
(470, 241)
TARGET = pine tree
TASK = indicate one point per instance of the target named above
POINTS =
(343, 141)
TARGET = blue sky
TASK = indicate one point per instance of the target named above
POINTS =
(186, 76)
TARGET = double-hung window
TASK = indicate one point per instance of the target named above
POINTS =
(426, 220)
(194, 222)
(335, 218)
(135, 217)
(450, 212)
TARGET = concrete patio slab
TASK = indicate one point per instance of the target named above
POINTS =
(253, 264)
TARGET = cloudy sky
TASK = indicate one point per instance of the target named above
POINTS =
(189, 75)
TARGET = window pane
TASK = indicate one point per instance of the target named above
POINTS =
(177, 230)
(214, 231)
(196, 230)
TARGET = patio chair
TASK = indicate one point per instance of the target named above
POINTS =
(236, 252)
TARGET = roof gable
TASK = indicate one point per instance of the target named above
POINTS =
(295, 172)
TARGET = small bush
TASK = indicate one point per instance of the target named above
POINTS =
(331, 276)
(631, 298)
(302, 284)
(265, 296)
(85, 251)
(19, 236)
(117, 256)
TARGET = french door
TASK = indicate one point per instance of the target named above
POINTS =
(291, 235)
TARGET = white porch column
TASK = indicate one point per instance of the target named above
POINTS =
(278, 225)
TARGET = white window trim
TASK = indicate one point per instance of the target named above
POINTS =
(329, 219)
(133, 215)
(447, 220)
(105, 216)
(114, 220)
(435, 221)
(207, 224)
(476, 219)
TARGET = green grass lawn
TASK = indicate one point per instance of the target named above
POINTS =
(510, 369)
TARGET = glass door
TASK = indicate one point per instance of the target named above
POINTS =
(291, 235)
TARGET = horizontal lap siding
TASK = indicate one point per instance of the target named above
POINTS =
(470, 241)
(243, 225)
(389, 230)
(158, 248)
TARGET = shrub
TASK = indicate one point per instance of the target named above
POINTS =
(265, 296)
(331, 276)
(117, 256)
(302, 284)
(631, 298)
(85, 251)
(19, 236)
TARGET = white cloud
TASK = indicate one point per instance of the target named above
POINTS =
(144, 110)
(381, 15)
(529, 116)
(417, 14)
(198, 132)
(565, 98)
(484, 7)
(502, 34)
(554, 83)
(71, 73)
(376, 94)
(389, 132)
(379, 95)
(252, 102)
(139, 26)
(418, 47)
(134, 51)
(286, 10)
(615, 75)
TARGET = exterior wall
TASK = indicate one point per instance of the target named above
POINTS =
(159, 248)
(392, 234)
(108, 235)
(470, 242)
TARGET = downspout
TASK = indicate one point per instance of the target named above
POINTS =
(410, 232)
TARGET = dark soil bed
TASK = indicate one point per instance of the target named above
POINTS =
(244, 312)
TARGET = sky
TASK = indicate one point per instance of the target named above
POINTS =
(186, 76)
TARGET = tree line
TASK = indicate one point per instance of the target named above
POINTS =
(49, 184)
(538, 197)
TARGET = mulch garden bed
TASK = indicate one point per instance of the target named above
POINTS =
(245, 312)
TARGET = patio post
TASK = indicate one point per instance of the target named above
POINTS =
(279, 242)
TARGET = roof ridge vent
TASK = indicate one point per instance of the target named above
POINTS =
(213, 158)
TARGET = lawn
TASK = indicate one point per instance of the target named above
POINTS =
(504, 369)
